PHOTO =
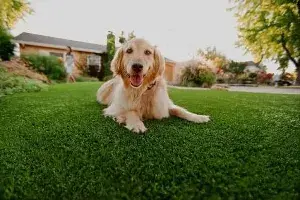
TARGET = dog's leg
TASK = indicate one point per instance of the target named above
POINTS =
(184, 114)
(104, 93)
(134, 123)
(121, 119)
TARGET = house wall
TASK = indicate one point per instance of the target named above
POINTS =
(169, 72)
(80, 57)
(26, 49)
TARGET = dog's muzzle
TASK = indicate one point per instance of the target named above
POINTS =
(137, 68)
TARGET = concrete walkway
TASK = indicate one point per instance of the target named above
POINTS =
(271, 90)
(187, 88)
(260, 89)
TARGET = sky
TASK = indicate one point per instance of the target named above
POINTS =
(178, 27)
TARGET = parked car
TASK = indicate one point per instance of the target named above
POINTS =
(284, 82)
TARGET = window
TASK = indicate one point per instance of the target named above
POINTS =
(94, 60)
(43, 52)
(57, 54)
(94, 64)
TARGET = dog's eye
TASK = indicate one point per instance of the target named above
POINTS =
(129, 50)
(147, 52)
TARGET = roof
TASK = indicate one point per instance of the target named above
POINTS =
(249, 63)
(47, 41)
(252, 68)
(169, 60)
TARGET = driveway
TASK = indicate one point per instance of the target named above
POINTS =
(273, 90)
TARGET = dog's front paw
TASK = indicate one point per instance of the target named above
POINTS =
(121, 119)
(107, 113)
(138, 127)
(200, 118)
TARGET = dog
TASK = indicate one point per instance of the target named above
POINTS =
(138, 90)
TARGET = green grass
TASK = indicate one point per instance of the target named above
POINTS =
(56, 145)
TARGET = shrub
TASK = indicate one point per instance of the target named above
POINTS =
(264, 78)
(189, 74)
(86, 79)
(221, 80)
(288, 77)
(206, 77)
(197, 76)
(224, 78)
(252, 78)
(242, 79)
(246, 78)
(51, 66)
(10, 84)
(107, 78)
(6, 45)
(253, 75)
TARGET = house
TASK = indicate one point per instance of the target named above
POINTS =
(89, 57)
(169, 73)
(251, 67)
(86, 54)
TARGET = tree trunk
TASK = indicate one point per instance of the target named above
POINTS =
(289, 55)
(298, 74)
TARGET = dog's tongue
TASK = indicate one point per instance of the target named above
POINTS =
(136, 80)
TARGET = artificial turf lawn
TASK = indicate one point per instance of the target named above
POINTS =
(56, 145)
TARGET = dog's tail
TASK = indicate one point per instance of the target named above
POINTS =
(184, 114)
(104, 93)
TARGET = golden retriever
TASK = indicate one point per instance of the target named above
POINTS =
(138, 90)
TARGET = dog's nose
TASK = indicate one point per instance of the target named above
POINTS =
(137, 68)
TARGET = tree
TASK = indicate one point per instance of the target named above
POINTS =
(6, 45)
(269, 29)
(211, 53)
(13, 10)
(236, 68)
(131, 35)
(110, 48)
(122, 38)
(283, 64)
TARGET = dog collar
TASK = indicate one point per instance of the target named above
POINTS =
(151, 85)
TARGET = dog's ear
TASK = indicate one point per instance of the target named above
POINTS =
(116, 63)
(159, 62)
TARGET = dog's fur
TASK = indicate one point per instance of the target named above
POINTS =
(130, 103)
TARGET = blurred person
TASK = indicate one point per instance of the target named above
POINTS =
(69, 63)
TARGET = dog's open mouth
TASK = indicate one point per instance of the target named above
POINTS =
(136, 80)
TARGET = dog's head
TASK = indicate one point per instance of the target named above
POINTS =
(138, 63)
